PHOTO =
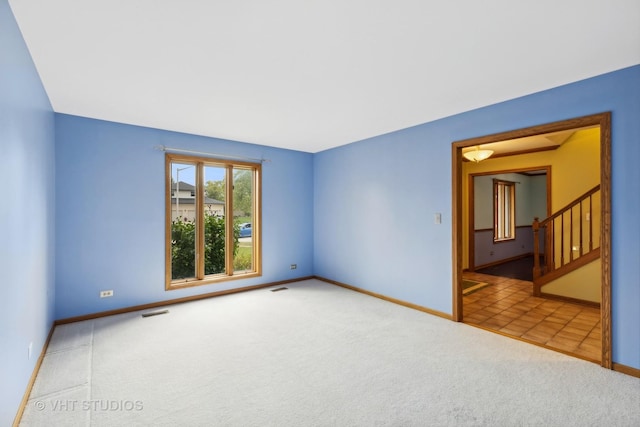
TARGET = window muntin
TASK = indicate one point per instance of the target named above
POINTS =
(204, 243)
(504, 210)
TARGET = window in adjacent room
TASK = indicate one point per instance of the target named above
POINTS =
(504, 210)
(212, 220)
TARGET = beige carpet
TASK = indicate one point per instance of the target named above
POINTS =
(314, 355)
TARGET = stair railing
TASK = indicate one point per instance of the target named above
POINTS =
(568, 235)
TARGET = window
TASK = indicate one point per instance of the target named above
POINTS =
(504, 210)
(212, 220)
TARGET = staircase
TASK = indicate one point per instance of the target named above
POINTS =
(568, 239)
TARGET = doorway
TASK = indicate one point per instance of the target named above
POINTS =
(509, 144)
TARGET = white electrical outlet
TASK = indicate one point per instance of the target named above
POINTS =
(30, 349)
(293, 266)
(105, 294)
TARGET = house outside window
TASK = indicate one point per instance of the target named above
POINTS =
(184, 206)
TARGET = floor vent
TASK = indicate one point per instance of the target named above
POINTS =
(279, 289)
(155, 313)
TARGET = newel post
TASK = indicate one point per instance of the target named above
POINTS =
(536, 248)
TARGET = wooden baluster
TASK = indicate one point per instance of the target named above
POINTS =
(570, 234)
(551, 248)
(581, 243)
(561, 240)
(590, 224)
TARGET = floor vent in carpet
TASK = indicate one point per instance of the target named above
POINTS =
(155, 313)
(279, 289)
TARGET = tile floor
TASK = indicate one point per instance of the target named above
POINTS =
(508, 306)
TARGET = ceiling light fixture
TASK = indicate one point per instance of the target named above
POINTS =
(477, 155)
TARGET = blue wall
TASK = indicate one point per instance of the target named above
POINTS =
(375, 200)
(83, 208)
(110, 213)
(26, 215)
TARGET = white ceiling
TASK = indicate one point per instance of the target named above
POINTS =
(314, 74)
